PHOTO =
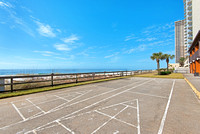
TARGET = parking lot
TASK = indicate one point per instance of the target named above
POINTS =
(131, 106)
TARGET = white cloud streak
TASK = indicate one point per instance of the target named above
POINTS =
(112, 55)
(130, 37)
(71, 39)
(62, 47)
(3, 4)
(45, 30)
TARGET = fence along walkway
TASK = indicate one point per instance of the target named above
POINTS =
(24, 82)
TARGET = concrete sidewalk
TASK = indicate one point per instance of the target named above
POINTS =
(194, 80)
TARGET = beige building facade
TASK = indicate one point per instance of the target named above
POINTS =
(180, 47)
(195, 17)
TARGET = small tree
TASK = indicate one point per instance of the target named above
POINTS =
(181, 61)
(167, 57)
(157, 56)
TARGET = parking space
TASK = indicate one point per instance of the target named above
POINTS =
(133, 105)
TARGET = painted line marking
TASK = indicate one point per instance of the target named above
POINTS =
(138, 117)
(34, 132)
(148, 94)
(65, 127)
(61, 98)
(36, 106)
(97, 96)
(108, 120)
(115, 118)
(100, 101)
(166, 110)
(40, 102)
(195, 91)
(18, 112)
(122, 103)
(83, 101)
(130, 106)
(68, 101)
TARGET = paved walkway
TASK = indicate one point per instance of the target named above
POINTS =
(195, 80)
(131, 106)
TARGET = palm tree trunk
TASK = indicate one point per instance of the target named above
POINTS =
(158, 67)
(167, 65)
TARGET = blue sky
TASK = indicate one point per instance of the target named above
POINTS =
(89, 34)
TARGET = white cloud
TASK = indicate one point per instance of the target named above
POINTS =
(62, 47)
(71, 39)
(45, 30)
(3, 4)
(68, 58)
(130, 51)
(130, 37)
(146, 39)
(112, 55)
(46, 53)
(139, 48)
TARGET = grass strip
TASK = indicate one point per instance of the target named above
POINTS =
(155, 75)
(37, 90)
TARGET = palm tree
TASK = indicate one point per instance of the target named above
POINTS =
(157, 56)
(167, 57)
(181, 61)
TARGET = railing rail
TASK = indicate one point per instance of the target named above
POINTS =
(24, 82)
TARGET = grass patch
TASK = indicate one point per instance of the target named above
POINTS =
(155, 75)
(24, 92)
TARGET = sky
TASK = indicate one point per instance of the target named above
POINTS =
(86, 34)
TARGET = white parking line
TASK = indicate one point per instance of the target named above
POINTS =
(65, 127)
(166, 110)
(18, 112)
(86, 100)
(61, 98)
(69, 101)
(138, 117)
(116, 118)
(108, 120)
(148, 94)
(35, 106)
(94, 104)
(122, 103)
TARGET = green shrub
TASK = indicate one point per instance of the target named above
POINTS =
(168, 72)
(165, 72)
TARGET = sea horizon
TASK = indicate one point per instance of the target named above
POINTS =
(49, 71)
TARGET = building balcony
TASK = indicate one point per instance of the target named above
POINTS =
(195, 56)
(190, 37)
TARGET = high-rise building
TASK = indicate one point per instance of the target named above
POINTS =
(180, 47)
(192, 22)
(195, 17)
(188, 23)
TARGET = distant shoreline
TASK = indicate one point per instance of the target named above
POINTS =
(4, 72)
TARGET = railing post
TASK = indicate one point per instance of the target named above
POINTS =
(11, 84)
(93, 74)
(126, 73)
(104, 74)
(76, 78)
(2, 87)
(52, 79)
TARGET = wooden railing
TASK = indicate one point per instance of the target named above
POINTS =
(24, 82)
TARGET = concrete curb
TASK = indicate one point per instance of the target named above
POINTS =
(193, 88)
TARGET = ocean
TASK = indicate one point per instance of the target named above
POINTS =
(48, 71)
